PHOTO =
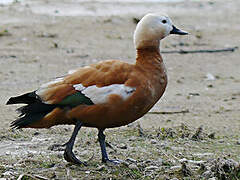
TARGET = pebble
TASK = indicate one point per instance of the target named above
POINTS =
(163, 145)
(131, 160)
(238, 142)
(36, 133)
(7, 173)
(84, 153)
(174, 179)
(133, 166)
(100, 168)
(175, 167)
(210, 77)
(212, 135)
(56, 147)
(133, 138)
(122, 146)
(125, 163)
(203, 154)
(207, 174)
(196, 162)
(151, 168)
(147, 161)
(221, 141)
(7, 152)
(153, 141)
(183, 160)
(232, 163)
(174, 148)
(191, 161)
(213, 178)
(160, 161)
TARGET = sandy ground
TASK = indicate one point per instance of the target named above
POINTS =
(38, 44)
(29, 57)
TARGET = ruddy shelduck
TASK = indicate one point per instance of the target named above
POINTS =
(107, 94)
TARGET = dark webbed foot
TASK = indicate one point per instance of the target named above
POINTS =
(68, 154)
(105, 159)
(112, 161)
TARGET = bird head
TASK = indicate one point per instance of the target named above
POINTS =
(152, 28)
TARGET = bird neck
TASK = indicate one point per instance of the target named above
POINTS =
(148, 55)
(146, 44)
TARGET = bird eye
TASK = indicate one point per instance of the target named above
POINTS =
(164, 21)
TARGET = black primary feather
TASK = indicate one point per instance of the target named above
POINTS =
(32, 112)
(27, 98)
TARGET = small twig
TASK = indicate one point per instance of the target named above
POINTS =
(181, 51)
(136, 20)
(20, 177)
(197, 135)
(109, 145)
(140, 130)
(5, 33)
(8, 56)
(177, 159)
(91, 158)
(169, 112)
(68, 173)
(39, 177)
(23, 176)
(185, 170)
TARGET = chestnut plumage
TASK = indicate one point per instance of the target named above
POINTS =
(107, 94)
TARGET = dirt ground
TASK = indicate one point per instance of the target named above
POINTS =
(40, 40)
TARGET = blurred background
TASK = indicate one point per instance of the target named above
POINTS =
(43, 39)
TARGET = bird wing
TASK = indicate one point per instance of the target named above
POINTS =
(88, 85)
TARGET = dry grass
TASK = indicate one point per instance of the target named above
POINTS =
(147, 154)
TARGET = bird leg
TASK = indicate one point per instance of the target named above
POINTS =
(101, 139)
(68, 154)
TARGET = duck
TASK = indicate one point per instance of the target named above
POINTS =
(107, 94)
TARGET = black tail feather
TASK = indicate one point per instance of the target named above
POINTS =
(32, 113)
(27, 98)
(26, 120)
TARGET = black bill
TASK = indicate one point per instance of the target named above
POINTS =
(177, 31)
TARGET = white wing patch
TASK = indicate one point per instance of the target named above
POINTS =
(100, 95)
(79, 87)
(72, 71)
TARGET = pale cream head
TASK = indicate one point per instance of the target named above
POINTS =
(151, 29)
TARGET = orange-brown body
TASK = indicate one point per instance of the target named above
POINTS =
(148, 76)
(104, 95)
